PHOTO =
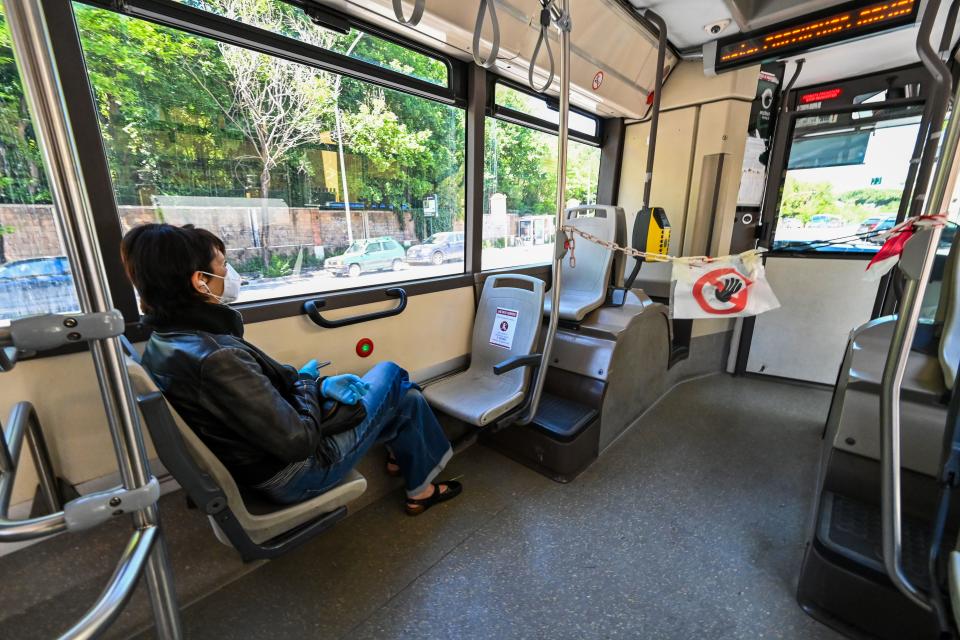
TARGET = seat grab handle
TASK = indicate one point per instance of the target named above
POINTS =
(531, 360)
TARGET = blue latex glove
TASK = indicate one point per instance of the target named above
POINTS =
(346, 388)
(311, 369)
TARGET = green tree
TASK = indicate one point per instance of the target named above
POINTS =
(872, 197)
(806, 199)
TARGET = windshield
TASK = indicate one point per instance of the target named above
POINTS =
(356, 247)
(437, 238)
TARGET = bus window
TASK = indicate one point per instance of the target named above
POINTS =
(845, 177)
(34, 273)
(520, 192)
(302, 172)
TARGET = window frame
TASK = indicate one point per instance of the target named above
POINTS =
(513, 116)
(782, 145)
(468, 88)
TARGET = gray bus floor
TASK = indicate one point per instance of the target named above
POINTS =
(691, 525)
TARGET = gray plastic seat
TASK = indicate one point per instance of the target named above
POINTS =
(263, 523)
(584, 287)
(477, 396)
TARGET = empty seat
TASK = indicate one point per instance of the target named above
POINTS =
(254, 526)
(507, 326)
(583, 287)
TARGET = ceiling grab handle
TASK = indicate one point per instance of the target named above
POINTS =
(916, 264)
(536, 389)
(486, 6)
(652, 146)
(543, 40)
(415, 17)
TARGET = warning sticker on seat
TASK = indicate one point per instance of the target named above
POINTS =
(504, 326)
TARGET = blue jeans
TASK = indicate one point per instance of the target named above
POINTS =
(398, 416)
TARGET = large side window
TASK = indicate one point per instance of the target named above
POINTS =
(34, 273)
(315, 181)
(520, 180)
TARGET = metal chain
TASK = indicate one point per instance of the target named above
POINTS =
(570, 243)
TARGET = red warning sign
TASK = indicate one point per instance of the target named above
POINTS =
(597, 80)
(722, 291)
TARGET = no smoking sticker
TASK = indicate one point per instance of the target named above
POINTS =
(504, 326)
(722, 291)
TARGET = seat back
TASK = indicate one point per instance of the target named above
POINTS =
(948, 314)
(584, 286)
(256, 528)
(507, 324)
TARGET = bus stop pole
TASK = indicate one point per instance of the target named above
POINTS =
(74, 219)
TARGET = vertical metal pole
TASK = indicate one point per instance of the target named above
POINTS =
(559, 251)
(44, 94)
(916, 263)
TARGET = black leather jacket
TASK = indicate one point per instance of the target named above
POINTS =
(256, 415)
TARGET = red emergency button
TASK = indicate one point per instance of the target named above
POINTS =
(364, 347)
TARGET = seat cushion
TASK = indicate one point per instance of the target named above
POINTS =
(477, 399)
(575, 305)
(922, 378)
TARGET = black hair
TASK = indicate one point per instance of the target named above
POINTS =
(160, 260)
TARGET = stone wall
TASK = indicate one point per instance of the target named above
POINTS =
(289, 229)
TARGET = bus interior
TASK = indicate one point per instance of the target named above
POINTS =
(498, 196)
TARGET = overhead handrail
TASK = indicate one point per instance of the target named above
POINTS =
(486, 6)
(32, 49)
(559, 246)
(543, 39)
(916, 264)
(312, 309)
(415, 17)
(662, 44)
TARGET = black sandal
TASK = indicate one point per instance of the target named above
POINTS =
(393, 473)
(416, 507)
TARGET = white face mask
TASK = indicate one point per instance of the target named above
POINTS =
(231, 285)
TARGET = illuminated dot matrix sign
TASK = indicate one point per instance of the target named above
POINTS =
(829, 29)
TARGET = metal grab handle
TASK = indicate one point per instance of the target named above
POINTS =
(118, 591)
(312, 309)
(535, 392)
(916, 263)
(25, 424)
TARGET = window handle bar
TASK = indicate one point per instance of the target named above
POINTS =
(312, 309)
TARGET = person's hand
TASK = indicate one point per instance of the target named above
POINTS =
(311, 369)
(346, 388)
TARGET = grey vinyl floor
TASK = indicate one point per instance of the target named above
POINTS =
(690, 526)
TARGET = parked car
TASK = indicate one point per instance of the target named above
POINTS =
(372, 254)
(789, 222)
(869, 224)
(36, 285)
(885, 224)
(437, 249)
(824, 220)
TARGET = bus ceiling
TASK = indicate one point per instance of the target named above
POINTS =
(837, 39)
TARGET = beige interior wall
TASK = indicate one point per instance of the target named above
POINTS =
(704, 116)
(435, 328)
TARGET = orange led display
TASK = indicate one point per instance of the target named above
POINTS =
(839, 26)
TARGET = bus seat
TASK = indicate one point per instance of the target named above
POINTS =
(478, 395)
(948, 313)
(255, 527)
(584, 287)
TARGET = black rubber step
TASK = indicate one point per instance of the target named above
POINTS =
(854, 530)
(561, 418)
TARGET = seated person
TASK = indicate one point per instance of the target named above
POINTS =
(288, 434)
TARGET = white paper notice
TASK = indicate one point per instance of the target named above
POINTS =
(504, 326)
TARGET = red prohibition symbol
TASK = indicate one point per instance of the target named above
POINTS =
(727, 293)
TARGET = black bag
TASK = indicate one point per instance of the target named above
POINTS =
(340, 417)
